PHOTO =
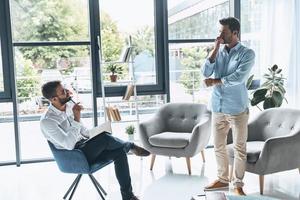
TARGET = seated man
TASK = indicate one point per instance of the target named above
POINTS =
(61, 126)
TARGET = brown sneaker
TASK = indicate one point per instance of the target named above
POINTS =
(239, 191)
(216, 185)
(139, 151)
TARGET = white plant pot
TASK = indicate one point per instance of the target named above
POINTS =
(131, 137)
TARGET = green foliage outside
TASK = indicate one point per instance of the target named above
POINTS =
(143, 40)
(27, 82)
(192, 60)
(59, 20)
(44, 21)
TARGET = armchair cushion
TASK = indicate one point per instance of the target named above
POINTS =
(170, 139)
(254, 149)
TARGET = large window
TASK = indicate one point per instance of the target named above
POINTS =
(195, 19)
(193, 27)
(58, 40)
(55, 20)
(251, 31)
(130, 20)
(7, 142)
(51, 42)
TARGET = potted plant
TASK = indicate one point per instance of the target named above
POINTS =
(130, 130)
(114, 69)
(272, 91)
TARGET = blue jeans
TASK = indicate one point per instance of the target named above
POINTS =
(106, 147)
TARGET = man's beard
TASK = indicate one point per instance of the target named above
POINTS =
(227, 41)
(64, 100)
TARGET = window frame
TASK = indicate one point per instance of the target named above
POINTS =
(5, 95)
(161, 60)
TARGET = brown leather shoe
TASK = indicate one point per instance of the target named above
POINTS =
(216, 185)
(239, 191)
(139, 151)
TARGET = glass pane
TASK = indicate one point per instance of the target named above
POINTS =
(147, 106)
(37, 65)
(196, 19)
(55, 20)
(7, 142)
(251, 30)
(1, 71)
(185, 62)
(130, 19)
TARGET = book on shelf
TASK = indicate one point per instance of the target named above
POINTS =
(117, 114)
(128, 92)
(108, 113)
(113, 113)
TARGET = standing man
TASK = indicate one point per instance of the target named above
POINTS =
(230, 66)
(61, 125)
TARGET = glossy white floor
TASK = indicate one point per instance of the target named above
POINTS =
(169, 180)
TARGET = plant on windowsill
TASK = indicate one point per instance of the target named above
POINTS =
(130, 130)
(272, 91)
(114, 69)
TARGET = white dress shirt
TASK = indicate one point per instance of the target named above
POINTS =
(60, 128)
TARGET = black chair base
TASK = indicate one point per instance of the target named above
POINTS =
(74, 185)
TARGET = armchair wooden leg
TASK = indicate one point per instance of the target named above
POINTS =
(152, 161)
(188, 163)
(203, 156)
(230, 172)
(261, 184)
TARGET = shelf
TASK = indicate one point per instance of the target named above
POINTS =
(124, 121)
(116, 62)
(119, 83)
(124, 101)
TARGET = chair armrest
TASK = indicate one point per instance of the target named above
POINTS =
(254, 132)
(151, 127)
(148, 128)
(281, 153)
(200, 135)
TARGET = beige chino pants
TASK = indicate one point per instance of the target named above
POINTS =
(221, 123)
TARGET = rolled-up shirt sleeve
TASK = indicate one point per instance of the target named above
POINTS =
(208, 68)
(54, 133)
(83, 130)
(242, 71)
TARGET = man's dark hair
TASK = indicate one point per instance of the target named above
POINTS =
(49, 89)
(232, 22)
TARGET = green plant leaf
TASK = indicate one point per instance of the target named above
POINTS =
(260, 92)
(269, 103)
(274, 68)
(249, 81)
(257, 100)
(259, 96)
(267, 83)
(270, 70)
(277, 97)
(281, 88)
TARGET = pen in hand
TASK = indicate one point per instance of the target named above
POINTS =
(73, 101)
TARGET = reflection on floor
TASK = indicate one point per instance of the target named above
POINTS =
(169, 180)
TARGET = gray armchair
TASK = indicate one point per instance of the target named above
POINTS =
(177, 130)
(273, 143)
